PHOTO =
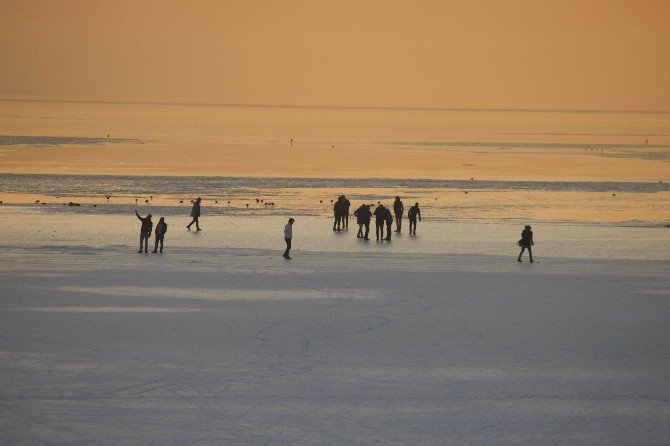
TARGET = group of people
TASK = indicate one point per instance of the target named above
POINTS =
(161, 228)
(383, 217)
(341, 212)
(145, 233)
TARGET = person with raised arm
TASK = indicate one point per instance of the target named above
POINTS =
(145, 231)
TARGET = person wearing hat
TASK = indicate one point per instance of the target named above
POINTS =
(195, 213)
(288, 235)
(145, 231)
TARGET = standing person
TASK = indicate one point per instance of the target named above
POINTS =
(338, 211)
(388, 218)
(363, 215)
(413, 212)
(526, 242)
(161, 229)
(195, 213)
(398, 210)
(145, 231)
(288, 235)
(359, 220)
(346, 204)
(380, 214)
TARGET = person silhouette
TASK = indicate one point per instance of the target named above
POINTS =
(288, 235)
(195, 213)
(338, 213)
(380, 214)
(346, 204)
(398, 210)
(526, 242)
(161, 229)
(358, 213)
(388, 218)
(145, 231)
(363, 215)
(412, 214)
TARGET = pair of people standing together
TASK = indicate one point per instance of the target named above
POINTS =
(341, 213)
(145, 233)
(412, 215)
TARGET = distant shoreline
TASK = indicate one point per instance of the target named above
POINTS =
(335, 107)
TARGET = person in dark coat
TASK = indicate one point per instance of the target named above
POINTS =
(398, 210)
(346, 204)
(195, 213)
(388, 218)
(161, 229)
(380, 214)
(526, 242)
(363, 215)
(359, 220)
(338, 212)
(145, 231)
(412, 214)
(288, 236)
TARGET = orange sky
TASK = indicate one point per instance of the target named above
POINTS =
(582, 54)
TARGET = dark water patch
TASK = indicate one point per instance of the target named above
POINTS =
(525, 145)
(48, 141)
(641, 135)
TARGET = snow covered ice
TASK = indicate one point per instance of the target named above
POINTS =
(214, 345)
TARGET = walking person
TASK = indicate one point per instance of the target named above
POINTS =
(161, 229)
(346, 204)
(380, 214)
(195, 213)
(388, 218)
(526, 242)
(145, 232)
(398, 210)
(412, 214)
(288, 235)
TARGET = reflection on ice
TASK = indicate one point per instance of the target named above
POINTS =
(216, 294)
(93, 309)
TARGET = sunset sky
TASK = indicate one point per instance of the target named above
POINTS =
(581, 54)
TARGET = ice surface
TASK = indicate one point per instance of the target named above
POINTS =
(27, 228)
(209, 344)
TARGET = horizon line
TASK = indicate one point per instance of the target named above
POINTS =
(333, 107)
(245, 177)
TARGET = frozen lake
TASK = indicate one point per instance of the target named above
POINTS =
(220, 341)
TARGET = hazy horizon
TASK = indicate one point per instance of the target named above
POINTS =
(515, 55)
(328, 106)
